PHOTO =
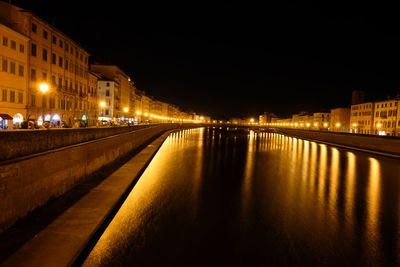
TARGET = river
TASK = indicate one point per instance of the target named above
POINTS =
(213, 198)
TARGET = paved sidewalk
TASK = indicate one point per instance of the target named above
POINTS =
(61, 242)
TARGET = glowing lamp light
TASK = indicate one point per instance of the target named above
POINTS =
(251, 120)
(379, 125)
(138, 112)
(126, 109)
(146, 114)
(308, 125)
(354, 124)
(102, 104)
(325, 124)
(315, 124)
(337, 124)
(44, 87)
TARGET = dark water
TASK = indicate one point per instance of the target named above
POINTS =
(211, 199)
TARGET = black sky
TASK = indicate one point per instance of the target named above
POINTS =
(240, 59)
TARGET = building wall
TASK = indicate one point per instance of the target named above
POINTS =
(13, 76)
(340, 120)
(321, 121)
(54, 59)
(362, 118)
(93, 103)
(386, 117)
(122, 96)
(106, 95)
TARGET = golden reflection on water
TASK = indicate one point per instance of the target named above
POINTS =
(373, 202)
(350, 190)
(248, 174)
(333, 186)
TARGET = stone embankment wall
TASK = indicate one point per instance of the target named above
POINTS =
(30, 181)
(25, 142)
(383, 144)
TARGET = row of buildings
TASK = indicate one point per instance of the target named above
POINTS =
(45, 76)
(381, 117)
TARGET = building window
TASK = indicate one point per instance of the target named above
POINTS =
(12, 67)
(34, 28)
(59, 83)
(60, 43)
(21, 48)
(44, 101)
(72, 50)
(5, 41)
(66, 47)
(53, 58)
(20, 98)
(53, 80)
(4, 95)
(21, 70)
(12, 96)
(107, 92)
(52, 102)
(54, 39)
(44, 76)
(33, 74)
(33, 48)
(4, 65)
(45, 34)
(66, 64)
(60, 61)
(44, 54)
(13, 45)
(33, 100)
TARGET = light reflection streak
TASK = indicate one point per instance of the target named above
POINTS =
(248, 174)
(323, 161)
(350, 193)
(373, 202)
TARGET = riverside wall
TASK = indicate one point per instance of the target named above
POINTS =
(380, 144)
(30, 181)
(16, 143)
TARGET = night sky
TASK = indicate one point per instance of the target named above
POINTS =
(240, 59)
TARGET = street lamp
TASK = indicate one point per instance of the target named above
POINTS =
(102, 105)
(43, 87)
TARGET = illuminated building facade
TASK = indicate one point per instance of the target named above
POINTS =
(362, 118)
(321, 121)
(386, 119)
(13, 77)
(340, 120)
(107, 89)
(56, 60)
(93, 100)
(122, 89)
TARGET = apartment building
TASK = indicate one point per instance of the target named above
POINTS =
(55, 60)
(121, 90)
(362, 118)
(340, 120)
(93, 100)
(386, 118)
(107, 90)
(321, 121)
(13, 77)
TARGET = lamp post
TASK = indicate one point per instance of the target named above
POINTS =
(44, 87)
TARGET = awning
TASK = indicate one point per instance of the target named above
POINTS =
(5, 117)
